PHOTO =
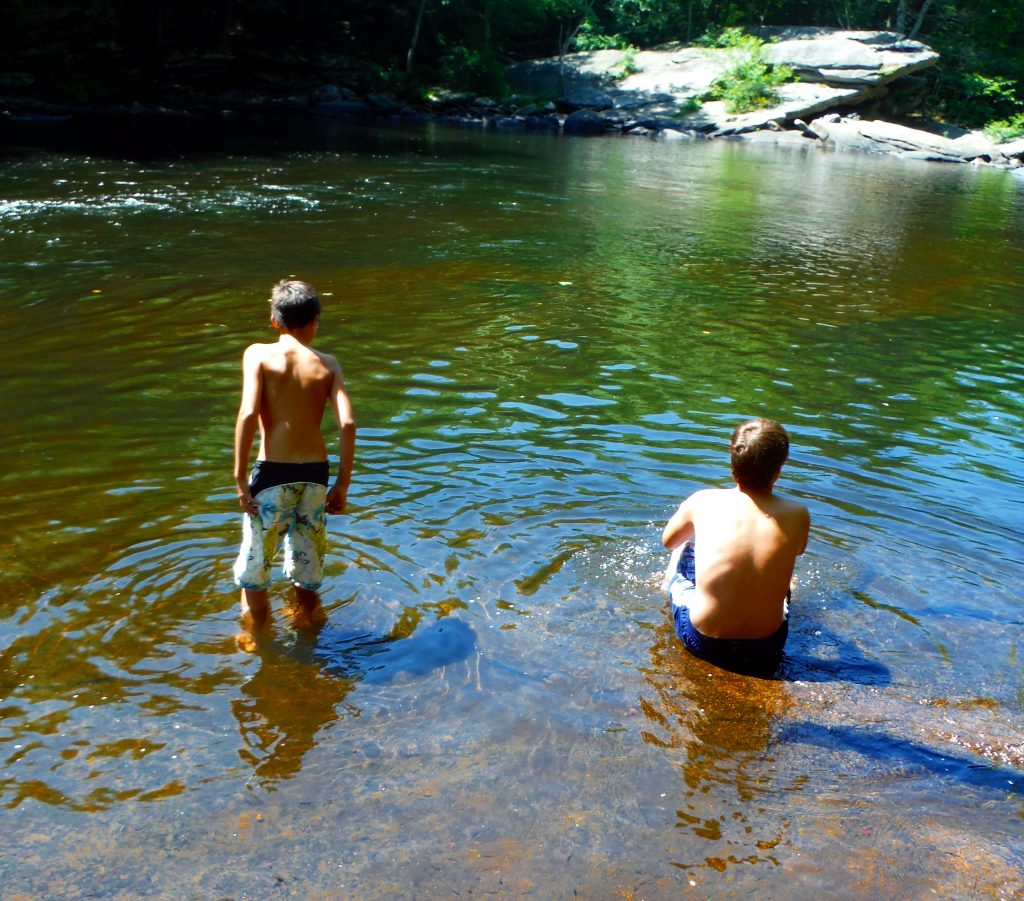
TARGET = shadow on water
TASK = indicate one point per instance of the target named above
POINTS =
(209, 137)
(302, 686)
(848, 665)
(899, 752)
(377, 660)
(797, 665)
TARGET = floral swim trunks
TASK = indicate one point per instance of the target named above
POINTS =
(291, 497)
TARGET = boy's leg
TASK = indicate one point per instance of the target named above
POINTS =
(672, 568)
(261, 536)
(680, 567)
(309, 612)
(255, 604)
(305, 545)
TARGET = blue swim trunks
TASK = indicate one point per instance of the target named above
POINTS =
(739, 654)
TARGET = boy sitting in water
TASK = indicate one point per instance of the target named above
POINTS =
(735, 550)
(285, 389)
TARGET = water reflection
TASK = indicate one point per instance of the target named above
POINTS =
(303, 684)
(282, 707)
(548, 342)
(718, 728)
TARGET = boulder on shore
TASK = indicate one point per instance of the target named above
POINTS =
(585, 122)
(899, 140)
(834, 68)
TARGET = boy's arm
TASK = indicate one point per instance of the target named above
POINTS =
(680, 527)
(337, 497)
(805, 528)
(246, 424)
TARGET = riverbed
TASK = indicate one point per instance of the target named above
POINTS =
(547, 342)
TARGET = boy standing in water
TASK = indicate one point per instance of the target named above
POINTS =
(735, 550)
(286, 387)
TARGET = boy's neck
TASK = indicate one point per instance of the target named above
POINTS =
(755, 493)
(303, 335)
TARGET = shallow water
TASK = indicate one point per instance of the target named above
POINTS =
(547, 343)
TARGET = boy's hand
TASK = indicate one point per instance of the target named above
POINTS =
(337, 499)
(247, 502)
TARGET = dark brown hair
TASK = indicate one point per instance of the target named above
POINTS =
(757, 451)
(293, 304)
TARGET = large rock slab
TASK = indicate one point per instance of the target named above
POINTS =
(836, 68)
(899, 140)
(1014, 149)
(847, 57)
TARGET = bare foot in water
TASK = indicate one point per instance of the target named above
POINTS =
(246, 642)
(306, 612)
(255, 610)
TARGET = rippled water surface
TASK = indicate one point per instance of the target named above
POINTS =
(547, 343)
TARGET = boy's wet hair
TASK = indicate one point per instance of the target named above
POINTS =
(293, 304)
(757, 451)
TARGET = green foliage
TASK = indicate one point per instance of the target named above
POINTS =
(750, 82)
(988, 94)
(689, 107)
(86, 50)
(982, 68)
(389, 81)
(729, 38)
(1003, 130)
(645, 23)
(972, 98)
(590, 38)
(480, 71)
(627, 64)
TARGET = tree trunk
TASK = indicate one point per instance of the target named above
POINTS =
(901, 17)
(920, 19)
(415, 38)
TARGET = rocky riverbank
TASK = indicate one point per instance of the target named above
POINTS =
(657, 92)
(651, 93)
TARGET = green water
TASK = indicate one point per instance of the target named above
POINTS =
(547, 343)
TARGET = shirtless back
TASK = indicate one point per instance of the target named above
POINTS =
(286, 387)
(747, 548)
(294, 384)
(746, 540)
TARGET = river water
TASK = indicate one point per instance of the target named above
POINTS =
(547, 343)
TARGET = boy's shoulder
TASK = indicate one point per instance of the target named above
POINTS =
(788, 504)
(787, 510)
(708, 496)
(323, 355)
(258, 349)
(328, 360)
